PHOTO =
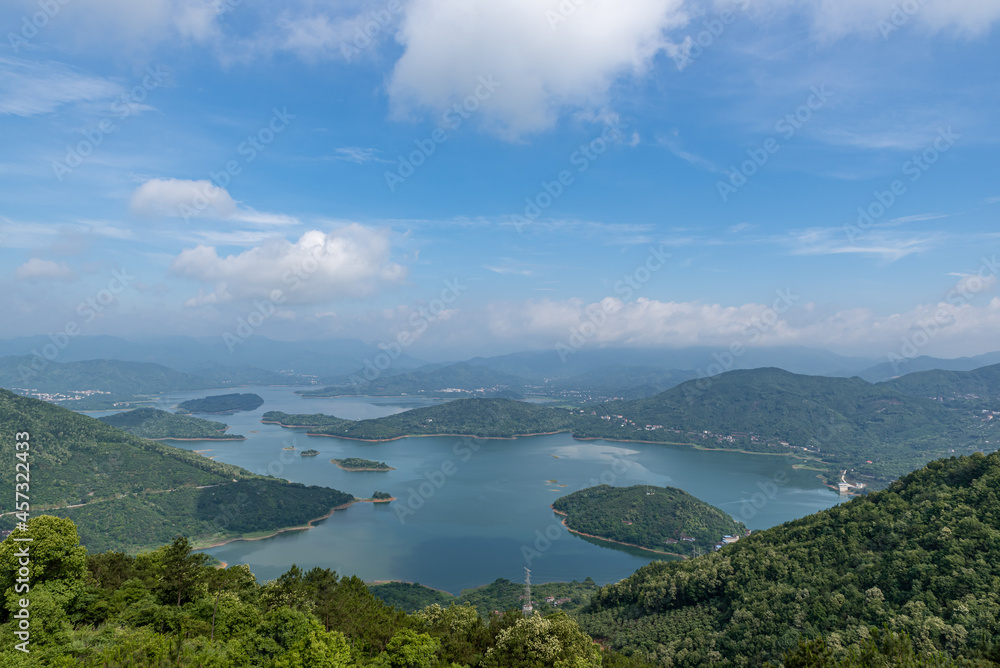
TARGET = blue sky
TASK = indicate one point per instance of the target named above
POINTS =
(239, 154)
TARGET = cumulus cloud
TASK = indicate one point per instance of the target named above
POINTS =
(353, 261)
(544, 60)
(184, 198)
(44, 270)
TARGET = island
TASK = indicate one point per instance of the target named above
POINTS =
(662, 519)
(481, 418)
(381, 497)
(309, 453)
(220, 404)
(358, 464)
(160, 426)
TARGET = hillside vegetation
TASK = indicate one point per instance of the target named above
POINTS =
(488, 418)
(132, 493)
(666, 519)
(918, 557)
(222, 403)
(156, 424)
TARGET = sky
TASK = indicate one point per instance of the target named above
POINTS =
(467, 177)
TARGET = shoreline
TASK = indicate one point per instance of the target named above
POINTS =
(171, 438)
(306, 526)
(396, 438)
(618, 542)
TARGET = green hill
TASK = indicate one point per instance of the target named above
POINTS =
(156, 424)
(137, 493)
(436, 381)
(222, 403)
(919, 557)
(977, 387)
(666, 519)
(844, 422)
(491, 418)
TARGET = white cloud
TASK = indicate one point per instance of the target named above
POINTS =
(38, 270)
(31, 88)
(543, 65)
(966, 18)
(183, 198)
(852, 240)
(353, 261)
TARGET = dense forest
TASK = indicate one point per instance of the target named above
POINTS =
(666, 519)
(169, 607)
(156, 424)
(222, 403)
(496, 418)
(359, 464)
(977, 388)
(918, 558)
(131, 493)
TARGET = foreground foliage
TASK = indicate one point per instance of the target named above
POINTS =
(168, 607)
(919, 558)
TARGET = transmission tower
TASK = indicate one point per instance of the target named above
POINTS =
(526, 609)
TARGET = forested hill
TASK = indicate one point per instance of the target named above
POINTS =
(157, 424)
(844, 421)
(222, 403)
(138, 493)
(114, 376)
(666, 519)
(920, 557)
(496, 418)
(977, 387)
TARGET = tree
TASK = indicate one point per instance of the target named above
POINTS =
(181, 570)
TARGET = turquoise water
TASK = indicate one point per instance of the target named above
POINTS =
(469, 511)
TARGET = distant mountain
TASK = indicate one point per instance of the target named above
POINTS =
(129, 493)
(433, 380)
(104, 375)
(630, 382)
(979, 386)
(321, 359)
(902, 367)
(159, 425)
(704, 361)
(917, 558)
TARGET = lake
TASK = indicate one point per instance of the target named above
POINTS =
(469, 511)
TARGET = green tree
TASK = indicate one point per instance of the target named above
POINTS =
(181, 570)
